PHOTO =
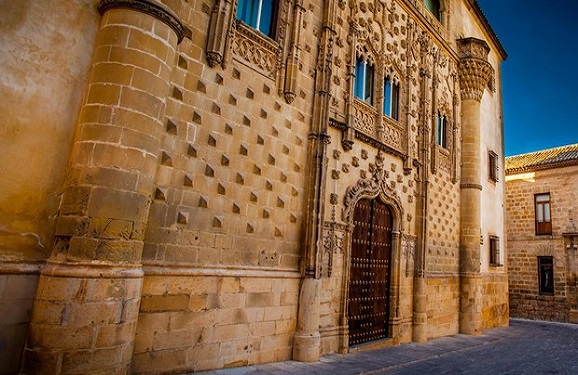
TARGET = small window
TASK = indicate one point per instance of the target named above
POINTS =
(434, 7)
(493, 164)
(259, 14)
(441, 131)
(543, 217)
(546, 275)
(495, 251)
(391, 98)
(363, 85)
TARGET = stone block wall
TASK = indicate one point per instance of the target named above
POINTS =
(200, 164)
(200, 322)
(16, 298)
(443, 299)
(524, 246)
(495, 310)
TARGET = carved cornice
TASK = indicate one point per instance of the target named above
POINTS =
(152, 8)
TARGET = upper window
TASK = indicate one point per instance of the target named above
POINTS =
(494, 251)
(391, 98)
(363, 85)
(434, 7)
(543, 218)
(259, 14)
(493, 164)
(441, 131)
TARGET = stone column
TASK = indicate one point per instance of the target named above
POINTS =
(307, 339)
(86, 307)
(475, 72)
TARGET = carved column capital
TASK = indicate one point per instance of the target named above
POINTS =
(475, 72)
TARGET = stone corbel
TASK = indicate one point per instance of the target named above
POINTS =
(219, 32)
(475, 72)
(294, 58)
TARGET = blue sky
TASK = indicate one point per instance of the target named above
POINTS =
(540, 75)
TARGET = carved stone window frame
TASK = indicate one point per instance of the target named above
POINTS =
(278, 59)
(443, 155)
(389, 71)
(367, 122)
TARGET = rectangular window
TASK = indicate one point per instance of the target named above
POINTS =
(543, 217)
(546, 275)
(258, 14)
(494, 165)
(391, 98)
(495, 251)
(441, 131)
(363, 84)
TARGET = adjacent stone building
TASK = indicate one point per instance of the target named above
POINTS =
(191, 185)
(542, 214)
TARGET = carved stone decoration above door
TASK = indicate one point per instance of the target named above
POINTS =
(371, 187)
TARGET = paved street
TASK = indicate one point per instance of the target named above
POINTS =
(526, 347)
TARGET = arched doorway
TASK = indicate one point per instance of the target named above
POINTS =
(369, 277)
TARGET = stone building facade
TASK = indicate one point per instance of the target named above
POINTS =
(190, 185)
(541, 206)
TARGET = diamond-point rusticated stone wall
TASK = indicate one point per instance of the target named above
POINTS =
(202, 216)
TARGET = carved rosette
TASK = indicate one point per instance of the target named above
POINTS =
(475, 72)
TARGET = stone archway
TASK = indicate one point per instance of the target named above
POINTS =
(370, 272)
(375, 189)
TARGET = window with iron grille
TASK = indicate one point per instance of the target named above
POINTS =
(495, 251)
(494, 166)
(543, 217)
(546, 275)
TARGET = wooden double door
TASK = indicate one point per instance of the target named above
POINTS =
(368, 298)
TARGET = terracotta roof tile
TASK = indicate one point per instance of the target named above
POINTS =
(544, 159)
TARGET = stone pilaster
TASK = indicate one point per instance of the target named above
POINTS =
(474, 72)
(86, 307)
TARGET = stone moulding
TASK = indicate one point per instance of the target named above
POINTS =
(363, 137)
(151, 8)
(158, 268)
(92, 270)
(470, 186)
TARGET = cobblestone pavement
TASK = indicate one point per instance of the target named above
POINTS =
(526, 347)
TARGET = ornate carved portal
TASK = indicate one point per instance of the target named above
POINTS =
(369, 281)
(372, 253)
